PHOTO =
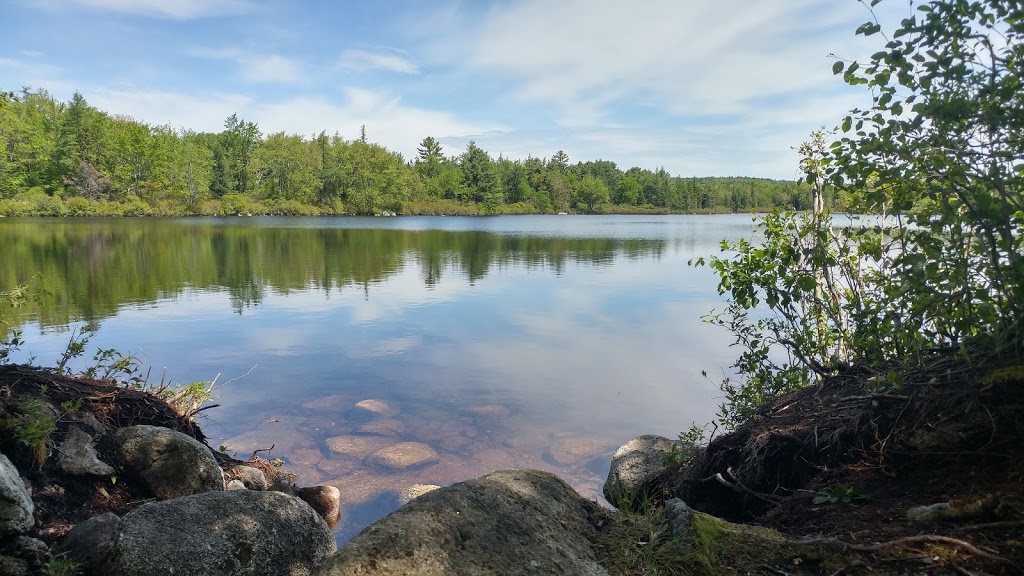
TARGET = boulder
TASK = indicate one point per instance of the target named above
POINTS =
(635, 464)
(89, 542)
(325, 501)
(415, 491)
(221, 533)
(167, 462)
(16, 506)
(508, 522)
(235, 485)
(78, 455)
(403, 456)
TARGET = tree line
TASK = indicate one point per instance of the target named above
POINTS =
(71, 159)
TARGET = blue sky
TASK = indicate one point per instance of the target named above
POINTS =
(700, 87)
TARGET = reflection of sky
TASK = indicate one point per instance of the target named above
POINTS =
(615, 347)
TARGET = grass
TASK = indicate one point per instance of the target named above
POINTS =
(642, 543)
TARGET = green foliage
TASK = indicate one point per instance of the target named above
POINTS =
(937, 159)
(807, 277)
(682, 452)
(26, 424)
(940, 150)
(840, 494)
(61, 565)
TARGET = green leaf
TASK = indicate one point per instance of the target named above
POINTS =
(837, 67)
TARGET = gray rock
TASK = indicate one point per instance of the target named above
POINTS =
(169, 463)
(16, 506)
(10, 566)
(512, 522)
(680, 517)
(235, 485)
(89, 542)
(403, 456)
(221, 533)
(635, 464)
(33, 551)
(415, 491)
(88, 420)
(78, 455)
(252, 478)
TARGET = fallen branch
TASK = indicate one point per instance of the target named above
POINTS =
(738, 487)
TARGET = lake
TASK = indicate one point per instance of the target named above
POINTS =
(513, 341)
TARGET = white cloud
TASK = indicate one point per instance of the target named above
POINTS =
(30, 53)
(173, 9)
(361, 60)
(388, 121)
(691, 59)
(272, 69)
(257, 68)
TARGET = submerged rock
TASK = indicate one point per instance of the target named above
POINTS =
(78, 455)
(370, 409)
(512, 522)
(489, 411)
(16, 508)
(382, 427)
(167, 462)
(357, 446)
(221, 533)
(403, 456)
(415, 491)
(573, 451)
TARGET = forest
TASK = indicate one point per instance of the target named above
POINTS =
(72, 159)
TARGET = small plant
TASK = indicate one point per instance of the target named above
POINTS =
(61, 565)
(840, 494)
(80, 336)
(28, 423)
(682, 452)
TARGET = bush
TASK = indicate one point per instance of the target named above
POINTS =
(79, 207)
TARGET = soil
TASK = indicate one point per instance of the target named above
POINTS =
(948, 433)
(30, 395)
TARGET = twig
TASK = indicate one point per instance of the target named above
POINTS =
(738, 487)
(991, 526)
(213, 385)
(258, 450)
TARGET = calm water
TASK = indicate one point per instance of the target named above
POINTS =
(533, 341)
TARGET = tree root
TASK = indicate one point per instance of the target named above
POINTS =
(907, 540)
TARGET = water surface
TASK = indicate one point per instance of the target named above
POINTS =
(534, 341)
